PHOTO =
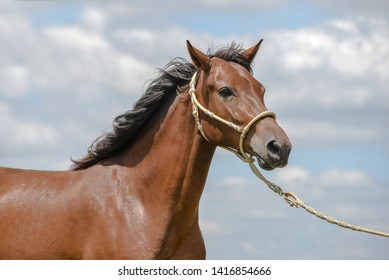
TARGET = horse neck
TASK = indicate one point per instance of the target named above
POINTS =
(172, 160)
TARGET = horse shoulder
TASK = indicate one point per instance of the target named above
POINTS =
(116, 215)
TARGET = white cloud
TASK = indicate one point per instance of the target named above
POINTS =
(343, 25)
(93, 19)
(342, 46)
(231, 5)
(314, 133)
(356, 8)
(143, 35)
(300, 178)
(157, 47)
(211, 227)
(345, 178)
(13, 80)
(76, 38)
(92, 60)
(292, 177)
(140, 9)
(18, 134)
(60, 58)
(235, 181)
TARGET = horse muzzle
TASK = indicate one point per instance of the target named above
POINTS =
(274, 154)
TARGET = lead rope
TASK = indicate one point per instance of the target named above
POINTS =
(292, 199)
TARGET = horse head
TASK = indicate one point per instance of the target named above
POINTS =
(233, 102)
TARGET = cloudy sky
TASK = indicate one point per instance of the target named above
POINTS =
(67, 68)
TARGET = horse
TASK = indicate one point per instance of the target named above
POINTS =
(136, 193)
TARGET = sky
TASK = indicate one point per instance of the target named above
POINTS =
(67, 68)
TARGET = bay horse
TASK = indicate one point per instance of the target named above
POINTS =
(136, 193)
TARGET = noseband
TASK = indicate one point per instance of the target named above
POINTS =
(243, 131)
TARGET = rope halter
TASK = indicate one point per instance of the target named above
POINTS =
(291, 198)
(241, 153)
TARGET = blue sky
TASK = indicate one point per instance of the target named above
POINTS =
(67, 68)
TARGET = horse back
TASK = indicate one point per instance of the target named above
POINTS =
(68, 215)
(43, 214)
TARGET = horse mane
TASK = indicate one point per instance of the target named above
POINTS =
(177, 73)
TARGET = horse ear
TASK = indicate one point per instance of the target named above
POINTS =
(250, 53)
(200, 59)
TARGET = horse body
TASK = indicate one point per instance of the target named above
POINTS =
(125, 207)
(140, 201)
(38, 204)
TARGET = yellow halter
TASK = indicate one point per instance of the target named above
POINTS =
(291, 198)
(243, 131)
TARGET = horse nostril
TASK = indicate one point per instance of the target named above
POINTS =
(274, 148)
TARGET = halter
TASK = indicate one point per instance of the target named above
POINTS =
(241, 153)
(243, 131)
(291, 198)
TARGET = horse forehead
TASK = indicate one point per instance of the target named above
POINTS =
(233, 73)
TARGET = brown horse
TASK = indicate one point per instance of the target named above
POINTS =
(136, 194)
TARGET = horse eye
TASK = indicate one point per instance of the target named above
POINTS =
(226, 92)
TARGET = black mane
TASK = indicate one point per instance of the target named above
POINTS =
(177, 73)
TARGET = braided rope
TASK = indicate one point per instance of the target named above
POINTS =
(294, 201)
